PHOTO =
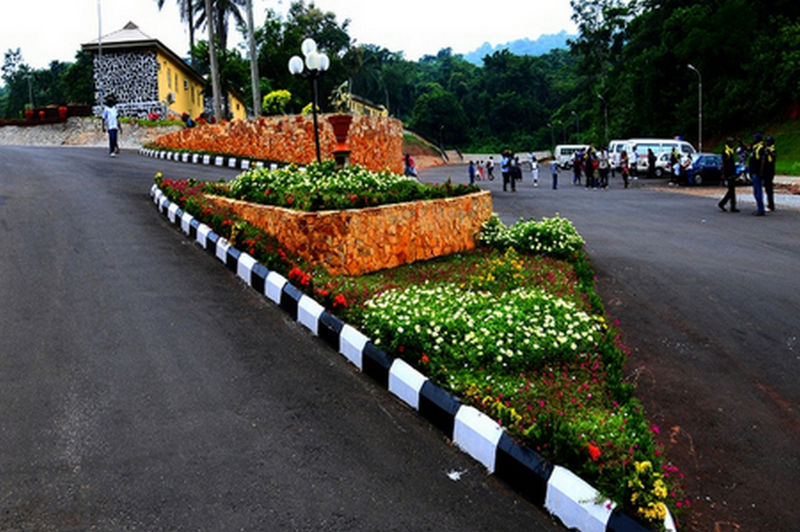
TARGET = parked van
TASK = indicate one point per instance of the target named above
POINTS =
(615, 148)
(564, 152)
(640, 147)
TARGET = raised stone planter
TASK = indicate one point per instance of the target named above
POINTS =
(358, 241)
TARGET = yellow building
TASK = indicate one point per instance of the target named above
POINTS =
(361, 106)
(145, 76)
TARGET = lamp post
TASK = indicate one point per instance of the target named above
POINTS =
(699, 107)
(605, 115)
(315, 64)
(577, 123)
(552, 138)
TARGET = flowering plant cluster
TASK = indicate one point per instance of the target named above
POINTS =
(322, 187)
(504, 334)
(509, 328)
(555, 236)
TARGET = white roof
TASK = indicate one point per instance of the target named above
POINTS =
(130, 34)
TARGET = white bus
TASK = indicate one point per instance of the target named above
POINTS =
(564, 152)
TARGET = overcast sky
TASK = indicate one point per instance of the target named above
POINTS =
(54, 29)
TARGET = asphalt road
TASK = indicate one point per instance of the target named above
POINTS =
(142, 386)
(709, 303)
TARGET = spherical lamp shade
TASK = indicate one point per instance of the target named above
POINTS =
(324, 62)
(308, 46)
(313, 61)
(295, 65)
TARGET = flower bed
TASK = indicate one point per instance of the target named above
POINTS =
(514, 328)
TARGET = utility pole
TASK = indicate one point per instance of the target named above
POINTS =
(100, 87)
(253, 61)
(216, 91)
(699, 107)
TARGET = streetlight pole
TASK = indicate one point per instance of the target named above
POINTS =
(552, 138)
(577, 123)
(315, 63)
(699, 107)
(605, 115)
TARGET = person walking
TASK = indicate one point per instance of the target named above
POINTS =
(112, 125)
(577, 161)
(472, 173)
(490, 168)
(554, 172)
(651, 164)
(535, 170)
(481, 170)
(757, 172)
(729, 175)
(589, 160)
(603, 167)
(505, 170)
(623, 166)
(769, 172)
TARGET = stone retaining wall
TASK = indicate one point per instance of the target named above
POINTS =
(79, 131)
(376, 142)
(358, 241)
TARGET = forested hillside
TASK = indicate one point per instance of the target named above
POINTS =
(626, 74)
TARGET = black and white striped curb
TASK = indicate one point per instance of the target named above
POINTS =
(576, 503)
(225, 161)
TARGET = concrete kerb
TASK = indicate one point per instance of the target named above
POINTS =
(562, 493)
(224, 161)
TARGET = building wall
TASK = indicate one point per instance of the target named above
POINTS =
(132, 77)
(174, 79)
(238, 109)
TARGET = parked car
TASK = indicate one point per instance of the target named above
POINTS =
(704, 169)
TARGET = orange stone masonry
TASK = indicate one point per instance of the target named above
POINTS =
(376, 142)
(358, 241)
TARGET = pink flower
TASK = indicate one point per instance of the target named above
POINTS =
(655, 429)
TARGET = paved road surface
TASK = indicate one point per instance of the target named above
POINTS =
(144, 387)
(710, 304)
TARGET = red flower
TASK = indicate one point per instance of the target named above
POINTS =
(425, 359)
(594, 452)
(339, 300)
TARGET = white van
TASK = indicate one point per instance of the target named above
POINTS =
(615, 148)
(640, 147)
(564, 152)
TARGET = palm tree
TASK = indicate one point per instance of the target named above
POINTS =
(187, 10)
(220, 11)
(212, 53)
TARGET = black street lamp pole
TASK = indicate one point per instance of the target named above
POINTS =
(315, 63)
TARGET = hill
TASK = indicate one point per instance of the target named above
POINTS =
(540, 46)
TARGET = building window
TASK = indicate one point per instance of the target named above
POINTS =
(169, 78)
(186, 84)
(192, 94)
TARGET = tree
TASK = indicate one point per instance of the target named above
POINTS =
(254, 77)
(212, 54)
(18, 79)
(221, 11)
(437, 113)
(186, 8)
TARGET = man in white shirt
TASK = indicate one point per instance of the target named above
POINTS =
(111, 123)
